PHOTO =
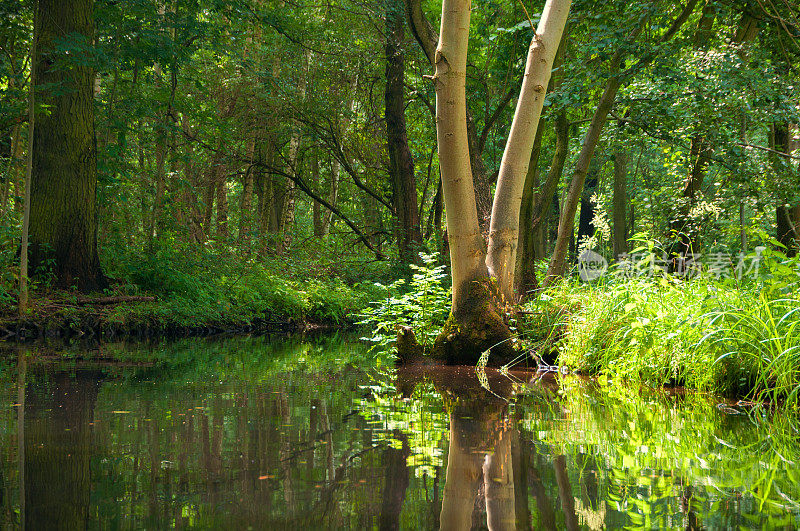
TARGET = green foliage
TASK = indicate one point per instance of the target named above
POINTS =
(423, 303)
(209, 288)
(721, 335)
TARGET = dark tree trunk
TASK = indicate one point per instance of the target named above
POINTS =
(395, 485)
(787, 217)
(526, 256)
(586, 226)
(620, 200)
(63, 224)
(401, 162)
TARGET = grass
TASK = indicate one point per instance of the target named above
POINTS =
(704, 334)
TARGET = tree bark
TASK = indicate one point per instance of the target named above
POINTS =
(401, 162)
(586, 228)
(427, 38)
(526, 257)
(64, 181)
(566, 222)
(504, 226)
(620, 203)
(532, 233)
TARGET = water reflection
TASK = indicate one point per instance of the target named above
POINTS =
(249, 432)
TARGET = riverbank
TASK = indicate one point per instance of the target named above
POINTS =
(280, 306)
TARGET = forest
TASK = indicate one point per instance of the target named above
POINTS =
(399, 264)
(609, 186)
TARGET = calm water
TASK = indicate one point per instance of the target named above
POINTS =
(269, 433)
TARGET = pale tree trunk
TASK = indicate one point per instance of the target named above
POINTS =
(475, 324)
(427, 39)
(498, 481)
(462, 477)
(287, 218)
(504, 225)
(531, 233)
(466, 244)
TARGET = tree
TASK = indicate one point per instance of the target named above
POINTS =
(63, 222)
(475, 322)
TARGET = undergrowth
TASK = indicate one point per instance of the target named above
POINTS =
(740, 338)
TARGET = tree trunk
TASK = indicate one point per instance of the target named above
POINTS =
(566, 222)
(316, 208)
(531, 238)
(504, 227)
(248, 185)
(526, 257)
(475, 324)
(586, 228)
(547, 206)
(22, 305)
(498, 482)
(401, 162)
(620, 203)
(395, 484)
(287, 216)
(63, 222)
(427, 39)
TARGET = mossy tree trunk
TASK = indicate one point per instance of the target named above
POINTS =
(63, 224)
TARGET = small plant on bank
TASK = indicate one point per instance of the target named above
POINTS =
(421, 302)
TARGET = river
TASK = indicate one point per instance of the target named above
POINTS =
(276, 432)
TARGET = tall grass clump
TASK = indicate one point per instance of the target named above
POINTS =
(642, 330)
(759, 341)
(739, 337)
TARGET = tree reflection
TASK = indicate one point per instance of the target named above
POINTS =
(59, 411)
